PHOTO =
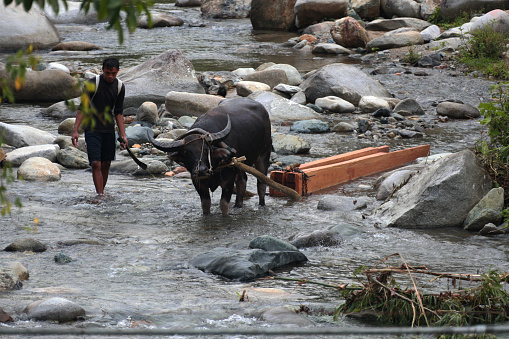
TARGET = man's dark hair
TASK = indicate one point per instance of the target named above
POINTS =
(111, 63)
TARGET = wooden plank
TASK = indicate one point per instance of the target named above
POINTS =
(333, 174)
(344, 157)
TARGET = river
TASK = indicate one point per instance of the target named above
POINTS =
(149, 228)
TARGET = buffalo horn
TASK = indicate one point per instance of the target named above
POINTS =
(213, 136)
(166, 146)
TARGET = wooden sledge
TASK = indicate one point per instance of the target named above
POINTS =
(327, 172)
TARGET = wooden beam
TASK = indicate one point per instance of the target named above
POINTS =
(344, 157)
(333, 174)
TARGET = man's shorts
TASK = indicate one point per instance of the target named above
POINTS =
(100, 146)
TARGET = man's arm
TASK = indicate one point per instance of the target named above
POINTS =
(121, 130)
(77, 123)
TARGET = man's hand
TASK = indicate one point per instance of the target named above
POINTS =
(74, 138)
(123, 142)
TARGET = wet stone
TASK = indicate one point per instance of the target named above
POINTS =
(61, 258)
(26, 245)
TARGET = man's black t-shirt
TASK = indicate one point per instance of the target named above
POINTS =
(105, 100)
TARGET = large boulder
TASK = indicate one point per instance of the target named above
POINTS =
(39, 169)
(55, 309)
(392, 24)
(51, 85)
(308, 12)
(271, 77)
(488, 210)
(390, 41)
(366, 9)
(71, 157)
(153, 79)
(349, 33)
(293, 75)
(343, 81)
(192, 104)
(72, 14)
(19, 155)
(273, 14)
(61, 110)
(282, 109)
(453, 8)
(401, 8)
(225, 9)
(21, 135)
(19, 29)
(441, 195)
(496, 19)
(188, 3)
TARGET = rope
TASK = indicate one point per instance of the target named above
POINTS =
(310, 332)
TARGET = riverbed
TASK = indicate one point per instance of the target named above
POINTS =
(133, 269)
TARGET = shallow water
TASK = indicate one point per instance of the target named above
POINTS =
(149, 228)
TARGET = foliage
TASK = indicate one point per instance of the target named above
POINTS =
(447, 23)
(412, 57)
(110, 10)
(485, 51)
(382, 296)
(493, 149)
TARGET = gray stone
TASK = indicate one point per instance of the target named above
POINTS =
(440, 196)
(72, 157)
(343, 127)
(316, 238)
(147, 112)
(282, 109)
(39, 169)
(21, 135)
(393, 182)
(292, 74)
(183, 103)
(395, 41)
(488, 210)
(73, 14)
(392, 24)
(268, 243)
(138, 134)
(19, 155)
(225, 9)
(272, 15)
(336, 76)
(61, 110)
(335, 104)
(451, 8)
(25, 245)
(9, 280)
(285, 316)
(154, 78)
(245, 88)
(497, 19)
(491, 229)
(430, 33)
(244, 265)
(308, 12)
(401, 8)
(409, 105)
(271, 77)
(160, 20)
(330, 48)
(289, 144)
(457, 111)
(310, 126)
(54, 309)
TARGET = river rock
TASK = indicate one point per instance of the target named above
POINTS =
(188, 3)
(50, 85)
(310, 126)
(9, 280)
(289, 144)
(282, 109)
(16, 33)
(343, 127)
(72, 157)
(457, 110)
(271, 77)
(186, 121)
(64, 142)
(349, 33)
(61, 258)
(138, 134)
(491, 229)
(285, 316)
(451, 8)
(335, 104)
(225, 9)
(321, 28)
(66, 127)
(395, 41)
(54, 309)
(388, 184)
(488, 210)
(338, 78)
(154, 78)
(25, 245)
(19, 155)
(392, 24)
(292, 74)
(61, 110)
(4, 317)
(245, 88)
(268, 243)
(243, 71)
(401, 8)
(329, 48)
(366, 9)
(273, 14)
(182, 103)
(75, 46)
(39, 169)
(430, 33)
(128, 166)
(370, 104)
(440, 196)
(316, 238)
(19, 270)
(496, 19)
(147, 112)
(342, 203)
(409, 105)
(73, 14)
(159, 20)
(308, 12)
(449, 43)
(244, 265)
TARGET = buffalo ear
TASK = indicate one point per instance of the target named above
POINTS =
(177, 157)
(221, 153)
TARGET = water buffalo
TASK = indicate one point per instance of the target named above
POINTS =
(237, 127)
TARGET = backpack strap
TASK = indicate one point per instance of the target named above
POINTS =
(97, 79)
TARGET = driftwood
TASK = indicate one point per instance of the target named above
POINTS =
(237, 162)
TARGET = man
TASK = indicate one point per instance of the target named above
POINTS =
(108, 101)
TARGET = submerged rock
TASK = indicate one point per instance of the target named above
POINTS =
(54, 309)
(27, 244)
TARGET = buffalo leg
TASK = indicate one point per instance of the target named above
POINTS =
(262, 165)
(226, 195)
(203, 192)
(240, 183)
